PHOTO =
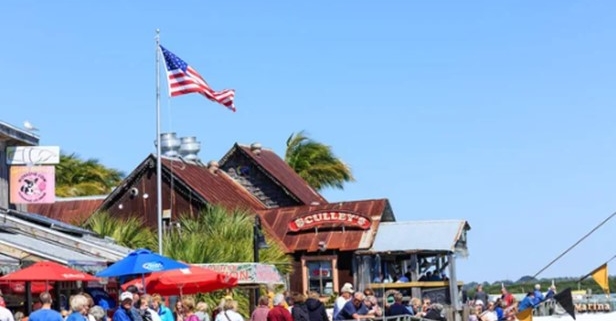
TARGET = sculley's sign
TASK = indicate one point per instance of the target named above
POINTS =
(327, 218)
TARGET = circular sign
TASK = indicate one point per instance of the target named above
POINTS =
(32, 186)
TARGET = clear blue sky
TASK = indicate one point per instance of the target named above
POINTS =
(498, 112)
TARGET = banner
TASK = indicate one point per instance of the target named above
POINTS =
(32, 184)
(248, 273)
(565, 299)
(600, 276)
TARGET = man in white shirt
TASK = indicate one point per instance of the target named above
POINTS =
(5, 314)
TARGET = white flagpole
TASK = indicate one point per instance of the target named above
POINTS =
(159, 171)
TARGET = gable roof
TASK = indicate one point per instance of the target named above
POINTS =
(439, 236)
(69, 210)
(277, 220)
(280, 172)
(215, 188)
(208, 187)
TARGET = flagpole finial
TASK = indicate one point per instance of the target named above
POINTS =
(157, 31)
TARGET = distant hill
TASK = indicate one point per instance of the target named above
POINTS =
(527, 283)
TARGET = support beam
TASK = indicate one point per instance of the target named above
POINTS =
(454, 292)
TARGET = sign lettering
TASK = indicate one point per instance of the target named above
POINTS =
(329, 217)
(593, 307)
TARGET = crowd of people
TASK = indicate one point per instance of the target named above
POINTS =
(136, 306)
(506, 306)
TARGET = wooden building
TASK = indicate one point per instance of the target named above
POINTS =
(323, 238)
(11, 136)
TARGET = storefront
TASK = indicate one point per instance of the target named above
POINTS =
(323, 240)
(361, 243)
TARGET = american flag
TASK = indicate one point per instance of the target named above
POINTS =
(183, 79)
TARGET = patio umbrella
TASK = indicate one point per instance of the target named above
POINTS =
(186, 281)
(20, 287)
(140, 262)
(48, 271)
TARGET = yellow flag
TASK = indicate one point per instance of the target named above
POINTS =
(600, 276)
(526, 315)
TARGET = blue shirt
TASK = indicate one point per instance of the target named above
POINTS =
(165, 313)
(349, 309)
(76, 316)
(398, 309)
(44, 314)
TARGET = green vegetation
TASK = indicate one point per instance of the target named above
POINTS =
(316, 163)
(78, 177)
(527, 284)
(216, 235)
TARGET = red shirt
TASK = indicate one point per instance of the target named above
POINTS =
(279, 313)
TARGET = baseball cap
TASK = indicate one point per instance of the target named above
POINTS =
(347, 287)
(126, 296)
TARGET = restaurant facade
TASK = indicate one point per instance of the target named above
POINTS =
(324, 238)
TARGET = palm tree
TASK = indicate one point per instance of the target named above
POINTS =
(219, 235)
(126, 232)
(316, 163)
(78, 177)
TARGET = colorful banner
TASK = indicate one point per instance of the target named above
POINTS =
(33, 184)
(248, 273)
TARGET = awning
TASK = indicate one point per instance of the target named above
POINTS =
(52, 252)
(248, 273)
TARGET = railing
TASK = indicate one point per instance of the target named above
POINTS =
(397, 318)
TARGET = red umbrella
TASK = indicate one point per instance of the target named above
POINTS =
(187, 281)
(48, 271)
(20, 287)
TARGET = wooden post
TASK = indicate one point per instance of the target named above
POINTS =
(453, 288)
(415, 292)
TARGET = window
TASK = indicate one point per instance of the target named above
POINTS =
(320, 274)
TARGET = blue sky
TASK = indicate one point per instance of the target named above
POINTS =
(498, 112)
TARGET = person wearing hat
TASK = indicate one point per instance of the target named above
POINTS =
(345, 295)
(126, 311)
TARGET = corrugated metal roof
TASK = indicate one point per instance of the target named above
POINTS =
(5, 259)
(279, 171)
(419, 236)
(51, 231)
(73, 210)
(215, 188)
(277, 220)
(47, 250)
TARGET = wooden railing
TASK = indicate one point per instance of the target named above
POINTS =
(417, 284)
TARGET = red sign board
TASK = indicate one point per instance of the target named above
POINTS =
(329, 217)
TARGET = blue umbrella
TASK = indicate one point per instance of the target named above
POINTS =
(141, 262)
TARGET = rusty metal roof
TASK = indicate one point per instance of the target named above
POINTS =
(215, 188)
(335, 238)
(74, 210)
(283, 175)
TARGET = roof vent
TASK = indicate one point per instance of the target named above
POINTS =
(189, 148)
(255, 148)
(169, 144)
(212, 166)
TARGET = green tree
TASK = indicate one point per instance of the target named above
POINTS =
(126, 232)
(78, 177)
(219, 235)
(316, 163)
